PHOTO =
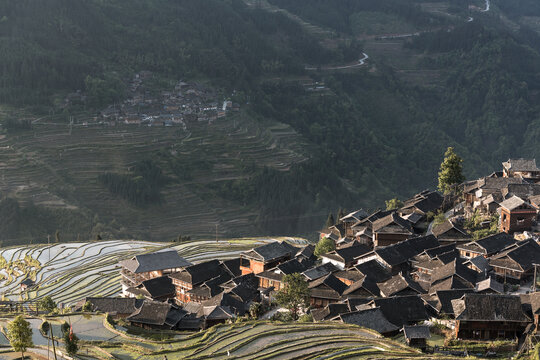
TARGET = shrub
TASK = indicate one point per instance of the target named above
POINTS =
(306, 318)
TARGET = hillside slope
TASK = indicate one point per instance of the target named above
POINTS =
(317, 129)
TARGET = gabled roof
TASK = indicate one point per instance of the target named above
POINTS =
(450, 229)
(347, 254)
(217, 312)
(306, 252)
(490, 244)
(199, 273)
(454, 268)
(328, 287)
(520, 257)
(355, 216)
(232, 266)
(416, 332)
(351, 274)
(159, 287)
(394, 224)
(330, 311)
(425, 201)
(163, 260)
(520, 165)
(398, 284)
(371, 318)
(151, 313)
(366, 284)
(480, 262)
(490, 284)
(489, 307)
(374, 271)
(234, 302)
(403, 251)
(524, 191)
(444, 299)
(290, 267)
(402, 310)
(514, 202)
(272, 251)
(112, 305)
(319, 271)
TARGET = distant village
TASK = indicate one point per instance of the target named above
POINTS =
(186, 102)
(391, 271)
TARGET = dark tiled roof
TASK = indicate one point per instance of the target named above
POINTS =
(272, 251)
(347, 254)
(445, 297)
(366, 284)
(330, 311)
(320, 271)
(232, 266)
(426, 201)
(398, 284)
(306, 251)
(490, 244)
(454, 268)
(402, 310)
(291, 266)
(443, 230)
(514, 202)
(400, 225)
(227, 299)
(245, 293)
(159, 287)
(112, 305)
(480, 262)
(416, 332)
(151, 313)
(521, 256)
(328, 287)
(374, 271)
(199, 273)
(403, 251)
(490, 284)
(521, 165)
(371, 318)
(489, 307)
(156, 261)
(218, 312)
(352, 275)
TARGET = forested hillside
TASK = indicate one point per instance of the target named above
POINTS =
(317, 130)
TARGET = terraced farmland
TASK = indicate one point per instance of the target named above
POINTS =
(270, 340)
(71, 271)
(57, 167)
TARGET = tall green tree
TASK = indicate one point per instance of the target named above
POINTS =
(325, 245)
(19, 334)
(71, 342)
(451, 171)
(47, 304)
(295, 293)
(393, 204)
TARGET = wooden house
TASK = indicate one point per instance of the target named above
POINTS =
(188, 279)
(344, 257)
(148, 266)
(449, 232)
(266, 257)
(400, 285)
(489, 317)
(371, 319)
(119, 307)
(516, 215)
(350, 219)
(521, 168)
(485, 247)
(156, 315)
(516, 263)
(402, 310)
(416, 335)
(274, 277)
(326, 290)
(391, 229)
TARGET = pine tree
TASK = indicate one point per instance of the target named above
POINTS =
(451, 171)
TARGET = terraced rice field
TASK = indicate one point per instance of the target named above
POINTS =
(71, 271)
(268, 340)
(55, 167)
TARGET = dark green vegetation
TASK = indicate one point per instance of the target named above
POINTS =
(291, 155)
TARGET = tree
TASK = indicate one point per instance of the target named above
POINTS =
(393, 204)
(19, 334)
(330, 221)
(325, 245)
(87, 307)
(71, 342)
(451, 171)
(295, 293)
(47, 304)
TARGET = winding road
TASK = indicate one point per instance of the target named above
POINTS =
(360, 62)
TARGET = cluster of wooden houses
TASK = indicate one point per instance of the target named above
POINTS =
(390, 270)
